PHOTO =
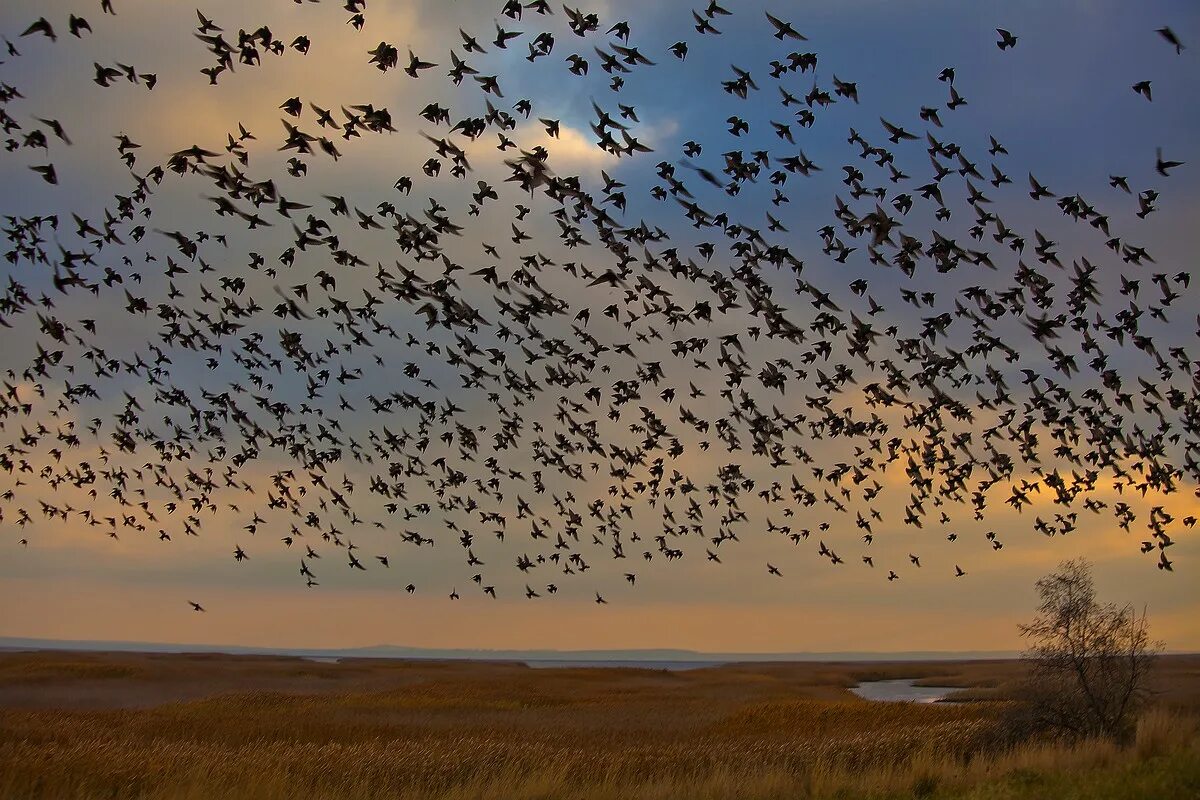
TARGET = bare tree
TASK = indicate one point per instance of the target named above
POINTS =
(1088, 661)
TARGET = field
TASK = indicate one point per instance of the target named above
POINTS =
(159, 727)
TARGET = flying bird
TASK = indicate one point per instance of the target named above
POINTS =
(1169, 35)
(313, 334)
(784, 30)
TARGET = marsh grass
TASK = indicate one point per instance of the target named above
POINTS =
(504, 731)
(39, 668)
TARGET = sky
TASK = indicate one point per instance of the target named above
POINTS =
(1060, 102)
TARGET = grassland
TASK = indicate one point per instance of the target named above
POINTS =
(162, 727)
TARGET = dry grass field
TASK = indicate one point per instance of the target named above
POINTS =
(161, 727)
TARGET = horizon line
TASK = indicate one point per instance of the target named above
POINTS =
(409, 652)
(402, 652)
(540, 653)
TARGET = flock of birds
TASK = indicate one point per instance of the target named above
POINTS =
(638, 391)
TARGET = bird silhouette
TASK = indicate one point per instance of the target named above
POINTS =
(687, 335)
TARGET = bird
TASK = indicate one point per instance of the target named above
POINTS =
(896, 133)
(1163, 166)
(196, 606)
(334, 350)
(783, 30)
(416, 65)
(1171, 39)
(704, 25)
(47, 171)
(1036, 190)
(41, 26)
(77, 24)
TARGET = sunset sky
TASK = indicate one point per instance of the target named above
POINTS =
(1060, 102)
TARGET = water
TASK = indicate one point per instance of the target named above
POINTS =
(901, 691)
(673, 666)
(546, 663)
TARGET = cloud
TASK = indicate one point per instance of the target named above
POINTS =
(570, 152)
(692, 602)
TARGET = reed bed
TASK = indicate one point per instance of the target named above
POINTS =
(589, 735)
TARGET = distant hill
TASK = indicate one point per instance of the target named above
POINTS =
(400, 652)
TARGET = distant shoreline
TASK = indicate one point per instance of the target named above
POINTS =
(548, 657)
(467, 654)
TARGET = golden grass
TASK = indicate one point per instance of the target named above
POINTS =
(46, 667)
(453, 732)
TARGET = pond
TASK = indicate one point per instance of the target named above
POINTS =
(901, 691)
(672, 666)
